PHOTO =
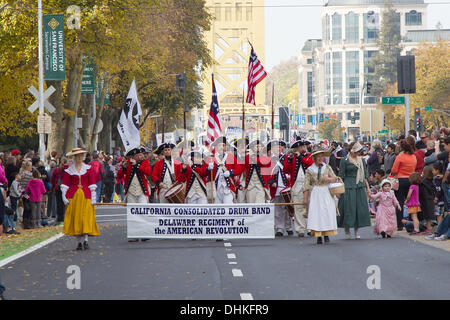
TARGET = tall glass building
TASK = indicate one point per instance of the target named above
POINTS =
(333, 72)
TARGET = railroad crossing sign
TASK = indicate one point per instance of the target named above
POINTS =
(47, 94)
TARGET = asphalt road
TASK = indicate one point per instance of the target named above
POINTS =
(283, 268)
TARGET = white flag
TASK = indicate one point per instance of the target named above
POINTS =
(128, 125)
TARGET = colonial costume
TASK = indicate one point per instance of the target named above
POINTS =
(353, 205)
(321, 204)
(167, 171)
(224, 167)
(283, 221)
(136, 184)
(240, 154)
(196, 175)
(78, 193)
(256, 184)
(386, 218)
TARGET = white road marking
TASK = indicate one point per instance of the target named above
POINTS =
(109, 215)
(117, 220)
(232, 262)
(4, 262)
(246, 296)
(231, 256)
(237, 273)
(227, 244)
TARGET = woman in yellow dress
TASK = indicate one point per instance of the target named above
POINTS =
(78, 193)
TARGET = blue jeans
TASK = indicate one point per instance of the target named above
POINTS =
(99, 190)
(2, 286)
(446, 190)
(444, 226)
(9, 222)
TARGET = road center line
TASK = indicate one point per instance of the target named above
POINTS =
(246, 296)
(231, 256)
(237, 273)
(232, 262)
(227, 244)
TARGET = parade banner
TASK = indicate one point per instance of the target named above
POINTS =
(54, 55)
(208, 221)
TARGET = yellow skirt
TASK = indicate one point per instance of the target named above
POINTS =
(80, 216)
(323, 233)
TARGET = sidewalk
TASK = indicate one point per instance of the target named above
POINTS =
(445, 245)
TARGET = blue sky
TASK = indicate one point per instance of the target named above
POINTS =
(287, 29)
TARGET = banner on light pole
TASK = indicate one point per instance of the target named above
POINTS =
(54, 48)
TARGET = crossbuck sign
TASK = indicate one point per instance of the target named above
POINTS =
(47, 94)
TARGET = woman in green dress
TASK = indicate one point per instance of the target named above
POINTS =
(353, 205)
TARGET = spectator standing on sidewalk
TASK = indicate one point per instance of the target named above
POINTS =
(25, 177)
(56, 181)
(389, 158)
(108, 170)
(97, 168)
(35, 190)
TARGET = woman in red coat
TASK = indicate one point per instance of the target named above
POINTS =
(78, 193)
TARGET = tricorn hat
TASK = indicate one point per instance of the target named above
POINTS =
(275, 142)
(134, 151)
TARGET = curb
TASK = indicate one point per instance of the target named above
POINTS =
(23, 253)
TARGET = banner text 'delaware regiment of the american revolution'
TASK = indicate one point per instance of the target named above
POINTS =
(209, 221)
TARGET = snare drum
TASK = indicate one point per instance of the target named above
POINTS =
(286, 195)
(176, 194)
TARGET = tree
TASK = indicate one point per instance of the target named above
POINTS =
(384, 61)
(330, 129)
(284, 76)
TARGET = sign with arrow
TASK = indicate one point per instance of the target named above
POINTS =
(47, 94)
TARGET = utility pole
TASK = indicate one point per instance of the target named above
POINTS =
(41, 80)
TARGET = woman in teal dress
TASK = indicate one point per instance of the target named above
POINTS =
(353, 205)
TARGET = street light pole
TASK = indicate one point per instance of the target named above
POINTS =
(41, 80)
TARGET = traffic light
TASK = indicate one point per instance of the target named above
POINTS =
(417, 112)
(353, 119)
(406, 74)
(369, 87)
(181, 82)
(419, 124)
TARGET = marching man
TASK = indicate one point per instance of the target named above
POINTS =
(166, 172)
(196, 179)
(279, 181)
(135, 170)
(224, 167)
(256, 186)
(240, 153)
(292, 166)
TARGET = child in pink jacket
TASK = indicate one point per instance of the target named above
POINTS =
(35, 189)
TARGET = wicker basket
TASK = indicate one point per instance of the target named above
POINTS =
(337, 187)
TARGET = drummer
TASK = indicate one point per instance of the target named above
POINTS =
(279, 182)
(256, 183)
(196, 174)
(240, 153)
(166, 172)
(291, 166)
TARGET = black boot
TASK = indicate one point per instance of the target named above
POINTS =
(80, 247)
(319, 240)
(383, 234)
(85, 245)
(327, 239)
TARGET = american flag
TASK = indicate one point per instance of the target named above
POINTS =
(214, 129)
(256, 74)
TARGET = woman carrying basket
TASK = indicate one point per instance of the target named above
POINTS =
(322, 206)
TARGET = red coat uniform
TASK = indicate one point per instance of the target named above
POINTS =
(71, 180)
(159, 170)
(142, 170)
(292, 166)
(275, 177)
(260, 166)
(189, 176)
(231, 165)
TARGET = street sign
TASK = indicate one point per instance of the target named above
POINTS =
(47, 94)
(383, 131)
(428, 108)
(88, 80)
(393, 100)
(79, 123)
(44, 124)
(54, 54)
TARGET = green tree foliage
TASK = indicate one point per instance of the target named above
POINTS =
(330, 129)
(285, 77)
(385, 60)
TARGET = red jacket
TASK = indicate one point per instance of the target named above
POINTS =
(97, 168)
(71, 180)
(160, 168)
(262, 166)
(189, 177)
(292, 166)
(232, 166)
(274, 178)
(143, 170)
(420, 156)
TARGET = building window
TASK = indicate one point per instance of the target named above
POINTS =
(398, 25)
(413, 18)
(337, 28)
(238, 11)
(328, 77)
(352, 72)
(370, 100)
(227, 11)
(217, 11)
(351, 28)
(368, 55)
(326, 28)
(371, 26)
(308, 61)
(248, 12)
(310, 89)
(337, 78)
(310, 118)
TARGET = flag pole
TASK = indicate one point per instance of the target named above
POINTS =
(211, 180)
(243, 114)
(273, 112)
